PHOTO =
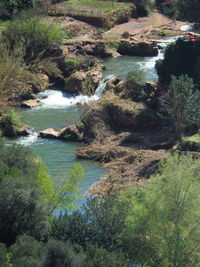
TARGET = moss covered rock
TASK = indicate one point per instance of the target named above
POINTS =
(142, 49)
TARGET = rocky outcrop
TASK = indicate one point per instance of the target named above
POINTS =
(82, 82)
(142, 49)
(24, 130)
(70, 133)
(31, 103)
(129, 115)
(112, 83)
(50, 133)
(113, 113)
(96, 48)
(11, 131)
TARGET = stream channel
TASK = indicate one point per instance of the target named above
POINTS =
(59, 110)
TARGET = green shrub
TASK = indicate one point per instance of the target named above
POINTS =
(184, 103)
(31, 34)
(21, 207)
(162, 226)
(144, 7)
(3, 255)
(16, 81)
(181, 57)
(10, 122)
(17, 161)
(26, 252)
(126, 35)
(188, 10)
(62, 254)
(100, 223)
(135, 85)
(99, 257)
(14, 6)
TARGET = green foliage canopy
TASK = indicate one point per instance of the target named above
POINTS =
(162, 226)
(184, 103)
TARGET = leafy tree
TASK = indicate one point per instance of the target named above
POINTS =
(181, 58)
(184, 103)
(62, 193)
(21, 210)
(3, 255)
(26, 252)
(21, 206)
(14, 6)
(99, 257)
(60, 254)
(99, 222)
(188, 9)
(15, 161)
(162, 226)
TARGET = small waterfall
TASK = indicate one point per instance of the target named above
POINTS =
(58, 99)
(149, 63)
(28, 140)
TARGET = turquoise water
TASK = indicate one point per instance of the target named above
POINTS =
(59, 110)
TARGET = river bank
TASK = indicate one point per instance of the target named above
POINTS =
(126, 159)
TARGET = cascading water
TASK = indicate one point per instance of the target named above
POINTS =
(121, 66)
(59, 109)
(57, 99)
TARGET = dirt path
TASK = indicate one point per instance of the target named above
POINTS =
(142, 26)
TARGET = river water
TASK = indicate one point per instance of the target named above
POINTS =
(59, 110)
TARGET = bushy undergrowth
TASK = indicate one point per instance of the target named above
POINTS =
(136, 85)
(10, 122)
(16, 81)
(144, 7)
(144, 225)
(22, 57)
(31, 34)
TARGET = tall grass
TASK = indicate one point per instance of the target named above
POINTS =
(32, 34)
(15, 78)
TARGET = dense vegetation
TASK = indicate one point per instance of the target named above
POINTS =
(156, 225)
(181, 57)
(181, 9)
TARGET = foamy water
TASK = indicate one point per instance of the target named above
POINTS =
(57, 99)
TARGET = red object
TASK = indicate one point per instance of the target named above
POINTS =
(193, 36)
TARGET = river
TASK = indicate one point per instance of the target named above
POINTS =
(59, 110)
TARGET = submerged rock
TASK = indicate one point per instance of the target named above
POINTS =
(31, 103)
(142, 49)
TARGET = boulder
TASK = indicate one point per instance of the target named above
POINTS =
(24, 130)
(131, 115)
(97, 48)
(31, 103)
(75, 83)
(50, 133)
(142, 49)
(120, 87)
(112, 83)
(71, 133)
(82, 82)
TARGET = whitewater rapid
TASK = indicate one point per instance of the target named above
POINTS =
(58, 99)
